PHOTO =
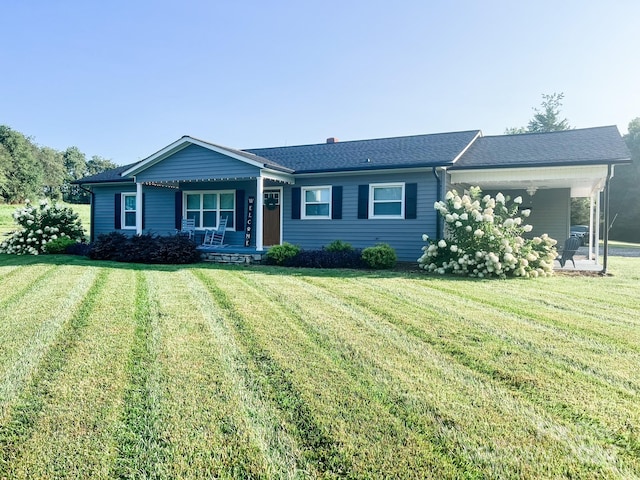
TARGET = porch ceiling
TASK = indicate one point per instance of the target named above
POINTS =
(582, 180)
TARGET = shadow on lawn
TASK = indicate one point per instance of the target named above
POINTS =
(403, 269)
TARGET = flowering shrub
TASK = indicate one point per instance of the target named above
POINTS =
(484, 239)
(40, 225)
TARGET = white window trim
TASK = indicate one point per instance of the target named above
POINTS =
(124, 211)
(372, 187)
(303, 210)
(206, 192)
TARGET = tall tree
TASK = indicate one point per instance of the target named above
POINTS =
(24, 174)
(546, 118)
(625, 194)
(54, 174)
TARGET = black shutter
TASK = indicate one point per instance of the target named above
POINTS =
(143, 215)
(239, 210)
(411, 200)
(336, 203)
(178, 213)
(363, 201)
(295, 203)
(117, 212)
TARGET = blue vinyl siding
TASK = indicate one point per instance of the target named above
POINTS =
(405, 235)
(104, 207)
(196, 163)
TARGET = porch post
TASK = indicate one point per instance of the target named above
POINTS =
(591, 257)
(597, 222)
(259, 211)
(138, 208)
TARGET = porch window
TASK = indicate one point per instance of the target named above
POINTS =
(207, 208)
(387, 200)
(316, 202)
(128, 210)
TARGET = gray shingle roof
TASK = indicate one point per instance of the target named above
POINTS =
(112, 175)
(412, 151)
(585, 146)
(570, 147)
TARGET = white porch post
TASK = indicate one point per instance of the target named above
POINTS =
(591, 257)
(259, 212)
(138, 208)
(597, 222)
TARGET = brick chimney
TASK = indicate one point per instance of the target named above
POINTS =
(332, 140)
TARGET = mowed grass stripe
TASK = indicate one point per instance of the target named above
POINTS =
(14, 288)
(73, 435)
(247, 413)
(27, 334)
(320, 452)
(609, 360)
(20, 423)
(363, 353)
(533, 373)
(303, 376)
(395, 361)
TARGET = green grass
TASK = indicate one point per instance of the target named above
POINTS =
(128, 371)
(7, 223)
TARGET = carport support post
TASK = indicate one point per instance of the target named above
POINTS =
(259, 212)
(606, 221)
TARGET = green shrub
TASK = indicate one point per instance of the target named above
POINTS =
(59, 245)
(379, 256)
(40, 225)
(339, 246)
(147, 248)
(279, 254)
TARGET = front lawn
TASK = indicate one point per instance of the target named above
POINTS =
(129, 371)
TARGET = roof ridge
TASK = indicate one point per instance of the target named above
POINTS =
(547, 133)
(362, 140)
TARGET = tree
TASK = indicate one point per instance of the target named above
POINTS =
(545, 119)
(625, 194)
(24, 174)
(53, 168)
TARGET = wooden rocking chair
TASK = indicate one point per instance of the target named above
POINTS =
(187, 228)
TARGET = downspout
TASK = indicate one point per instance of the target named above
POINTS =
(438, 197)
(91, 212)
(605, 257)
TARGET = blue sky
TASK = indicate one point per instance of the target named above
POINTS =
(124, 78)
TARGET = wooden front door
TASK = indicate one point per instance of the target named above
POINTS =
(271, 218)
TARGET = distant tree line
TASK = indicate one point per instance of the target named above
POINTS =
(28, 170)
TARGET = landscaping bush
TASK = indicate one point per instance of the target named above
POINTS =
(147, 248)
(59, 245)
(327, 259)
(379, 256)
(41, 225)
(484, 238)
(279, 254)
(78, 249)
(176, 249)
(109, 246)
(339, 246)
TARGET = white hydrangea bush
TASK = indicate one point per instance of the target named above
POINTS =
(40, 225)
(484, 238)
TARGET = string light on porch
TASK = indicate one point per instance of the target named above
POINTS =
(531, 190)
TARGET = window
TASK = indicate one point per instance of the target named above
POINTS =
(207, 208)
(128, 210)
(386, 200)
(316, 202)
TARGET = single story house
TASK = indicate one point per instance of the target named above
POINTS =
(362, 192)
